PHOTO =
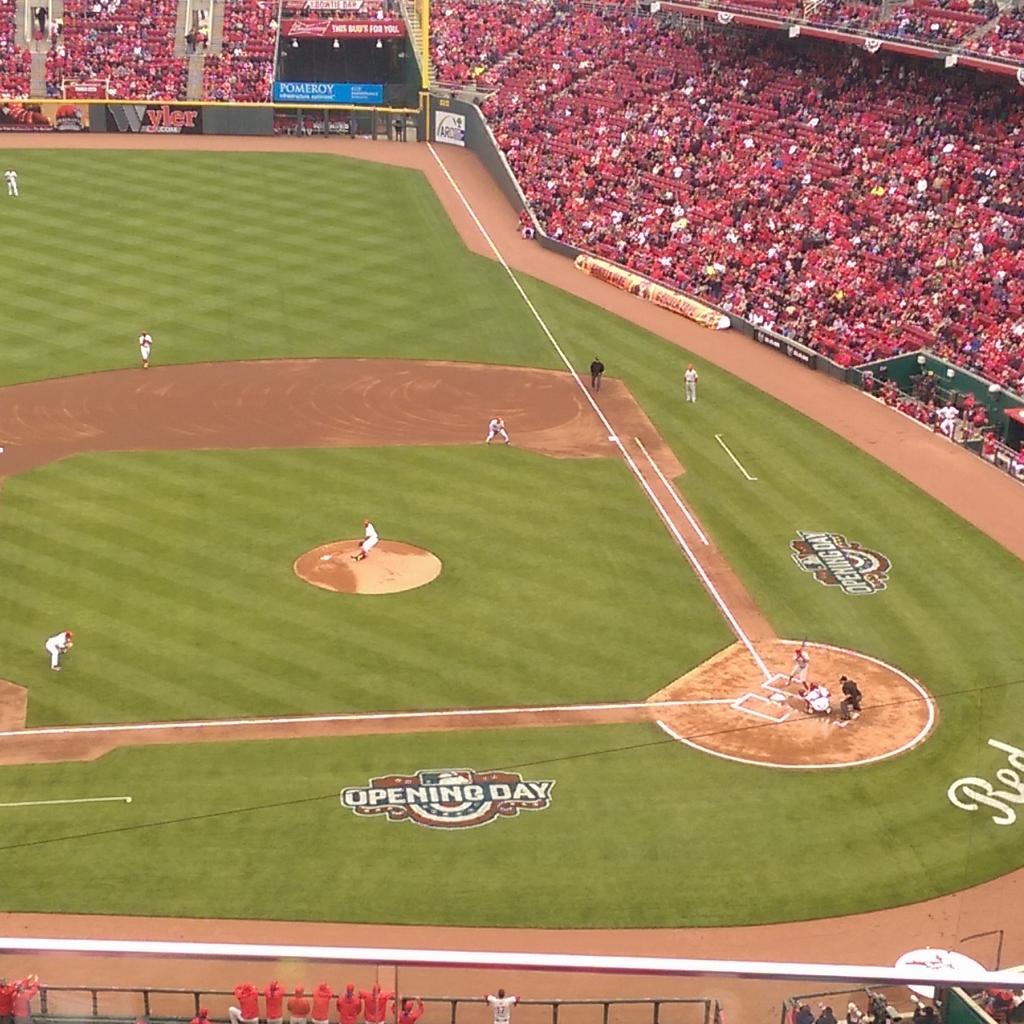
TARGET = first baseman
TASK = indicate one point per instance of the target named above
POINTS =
(496, 428)
(57, 645)
(368, 543)
(145, 347)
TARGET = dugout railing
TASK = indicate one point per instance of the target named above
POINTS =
(68, 1004)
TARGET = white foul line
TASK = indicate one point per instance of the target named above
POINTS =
(82, 800)
(673, 494)
(612, 436)
(739, 465)
(369, 716)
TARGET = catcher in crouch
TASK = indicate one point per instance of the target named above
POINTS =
(817, 699)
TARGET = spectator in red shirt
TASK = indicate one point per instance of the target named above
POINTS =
(412, 1010)
(350, 1006)
(298, 1006)
(273, 995)
(248, 1009)
(6, 1001)
(322, 1003)
(202, 1017)
(375, 1004)
(24, 992)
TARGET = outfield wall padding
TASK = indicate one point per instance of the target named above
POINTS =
(238, 121)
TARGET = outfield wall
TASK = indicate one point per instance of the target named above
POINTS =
(69, 117)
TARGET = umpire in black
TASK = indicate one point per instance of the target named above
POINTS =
(852, 697)
(596, 373)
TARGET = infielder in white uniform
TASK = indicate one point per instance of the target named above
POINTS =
(58, 645)
(798, 673)
(691, 377)
(145, 347)
(496, 428)
(369, 542)
(11, 177)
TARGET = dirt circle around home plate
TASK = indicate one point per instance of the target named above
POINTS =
(730, 707)
(391, 567)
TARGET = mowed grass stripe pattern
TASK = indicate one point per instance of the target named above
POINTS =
(175, 572)
(229, 256)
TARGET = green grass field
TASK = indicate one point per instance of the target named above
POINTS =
(176, 569)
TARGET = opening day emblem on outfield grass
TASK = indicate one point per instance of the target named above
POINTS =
(449, 798)
(838, 562)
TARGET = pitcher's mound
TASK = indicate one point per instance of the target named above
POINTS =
(390, 568)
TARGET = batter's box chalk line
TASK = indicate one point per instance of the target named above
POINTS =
(740, 704)
(775, 685)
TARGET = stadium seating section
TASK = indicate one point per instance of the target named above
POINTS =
(15, 63)
(244, 70)
(864, 205)
(1006, 38)
(129, 43)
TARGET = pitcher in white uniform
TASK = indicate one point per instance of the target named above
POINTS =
(369, 542)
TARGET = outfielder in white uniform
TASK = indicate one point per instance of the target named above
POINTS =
(11, 177)
(57, 645)
(691, 377)
(145, 347)
(496, 428)
(798, 673)
(369, 542)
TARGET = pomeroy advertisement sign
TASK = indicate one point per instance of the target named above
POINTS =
(342, 28)
(147, 119)
(328, 92)
(449, 797)
(449, 128)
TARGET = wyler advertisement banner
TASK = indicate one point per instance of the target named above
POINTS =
(328, 92)
(59, 116)
(449, 128)
(342, 28)
(151, 119)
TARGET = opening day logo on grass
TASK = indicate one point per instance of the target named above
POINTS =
(838, 562)
(448, 797)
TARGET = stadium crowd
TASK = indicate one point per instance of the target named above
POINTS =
(244, 70)
(863, 205)
(128, 43)
(15, 62)
(1006, 38)
(16, 998)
